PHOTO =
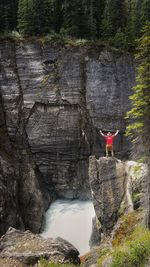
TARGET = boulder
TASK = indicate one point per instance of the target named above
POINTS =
(28, 248)
(6, 262)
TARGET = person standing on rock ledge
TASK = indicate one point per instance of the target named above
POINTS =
(109, 139)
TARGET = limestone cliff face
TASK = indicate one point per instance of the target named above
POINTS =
(22, 201)
(55, 100)
(9, 208)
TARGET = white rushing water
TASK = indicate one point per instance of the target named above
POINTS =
(71, 220)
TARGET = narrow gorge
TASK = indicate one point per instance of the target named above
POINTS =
(53, 102)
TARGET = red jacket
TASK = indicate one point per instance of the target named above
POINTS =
(109, 139)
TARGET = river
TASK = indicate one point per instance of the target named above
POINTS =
(71, 220)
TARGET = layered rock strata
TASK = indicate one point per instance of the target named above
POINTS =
(60, 94)
(22, 199)
(9, 206)
(55, 100)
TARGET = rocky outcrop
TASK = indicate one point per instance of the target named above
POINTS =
(137, 174)
(107, 180)
(28, 248)
(117, 188)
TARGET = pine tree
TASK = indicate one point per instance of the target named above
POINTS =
(35, 17)
(114, 18)
(25, 17)
(98, 15)
(130, 23)
(90, 21)
(58, 15)
(75, 23)
(141, 15)
(43, 15)
(8, 15)
(137, 18)
(139, 115)
(140, 112)
(145, 11)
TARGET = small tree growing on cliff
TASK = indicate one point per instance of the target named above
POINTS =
(140, 112)
(25, 17)
(74, 18)
(8, 15)
(114, 18)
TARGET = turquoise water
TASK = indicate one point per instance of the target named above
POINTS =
(71, 220)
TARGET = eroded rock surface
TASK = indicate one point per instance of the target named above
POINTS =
(118, 188)
(28, 248)
(22, 200)
(9, 206)
(107, 179)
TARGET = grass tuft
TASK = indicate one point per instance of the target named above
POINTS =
(44, 263)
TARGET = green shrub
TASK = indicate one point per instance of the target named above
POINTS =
(135, 251)
(141, 160)
(12, 35)
(126, 227)
(55, 38)
(44, 263)
(131, 247)
(103, 253)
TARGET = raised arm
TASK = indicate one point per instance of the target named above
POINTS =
(116, 132)
(101, 133)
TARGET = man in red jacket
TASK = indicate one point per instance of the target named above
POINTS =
(109, 139)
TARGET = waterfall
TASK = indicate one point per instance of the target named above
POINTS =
(71, 220)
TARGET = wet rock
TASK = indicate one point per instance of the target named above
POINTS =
(28, 248)
(95, 236)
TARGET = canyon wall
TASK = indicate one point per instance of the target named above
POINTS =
(55, 99)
